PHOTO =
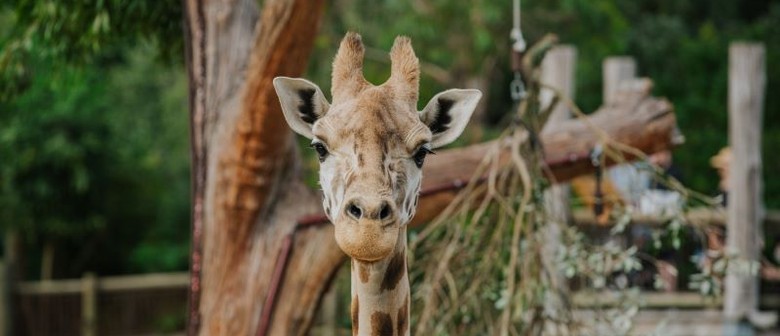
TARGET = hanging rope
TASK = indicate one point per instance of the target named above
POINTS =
(517, 34)
(517, 88)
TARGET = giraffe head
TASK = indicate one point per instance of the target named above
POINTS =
(371, 142)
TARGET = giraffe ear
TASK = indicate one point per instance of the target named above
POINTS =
(302, 103)
(448, 113)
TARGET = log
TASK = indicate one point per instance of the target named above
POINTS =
(643, 122)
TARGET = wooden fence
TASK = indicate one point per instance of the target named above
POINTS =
(116, 305)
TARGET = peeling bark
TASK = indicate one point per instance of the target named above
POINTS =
(246, 188)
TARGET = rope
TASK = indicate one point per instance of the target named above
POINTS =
(519, 44)
(517, 88)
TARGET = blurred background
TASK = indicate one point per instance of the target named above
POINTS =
(94, 121)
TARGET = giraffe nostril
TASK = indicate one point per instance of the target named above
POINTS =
(354, 211)
(384, 213)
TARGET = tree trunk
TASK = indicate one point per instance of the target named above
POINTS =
(247, 192)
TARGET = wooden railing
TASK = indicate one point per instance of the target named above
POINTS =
(80, 305)
(89, 282)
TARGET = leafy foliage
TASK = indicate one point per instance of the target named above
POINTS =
(83, 32)
(51, 133)
(98, 165)
(96, 128)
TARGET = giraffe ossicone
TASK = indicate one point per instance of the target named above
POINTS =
(372, 143)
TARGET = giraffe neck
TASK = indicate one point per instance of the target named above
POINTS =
(380, 294)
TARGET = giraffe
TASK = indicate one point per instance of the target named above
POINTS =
(372, 142)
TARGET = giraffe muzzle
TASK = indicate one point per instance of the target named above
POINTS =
(380, 210)
(368, 228)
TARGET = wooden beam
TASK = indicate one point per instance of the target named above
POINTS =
(684, 300)
(747, 81)
(643, 122)
(697, 217)
(657, 300)
(106, 284)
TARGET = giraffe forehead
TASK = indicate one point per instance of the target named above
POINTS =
(373, 133)
(376, 107)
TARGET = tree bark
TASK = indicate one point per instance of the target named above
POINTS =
(246, 187)
(247, 191)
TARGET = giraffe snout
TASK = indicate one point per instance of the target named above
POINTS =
(372, 209)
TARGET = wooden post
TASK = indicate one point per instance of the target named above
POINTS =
(615, 70)
(89, 304)
(5, 301)
(747, 81)
(558, 70)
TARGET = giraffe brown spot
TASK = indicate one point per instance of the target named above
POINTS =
(403, 318)
(381, 324)
(355, 314)
(363, 271)
(394, 272)
(361, 160)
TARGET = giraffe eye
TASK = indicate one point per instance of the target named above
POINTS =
(322, 152)
(419, 156)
